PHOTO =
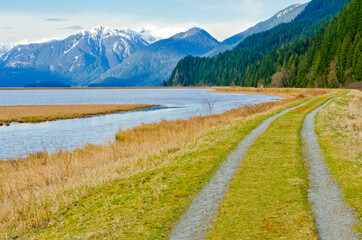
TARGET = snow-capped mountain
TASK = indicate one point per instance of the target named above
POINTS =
(283, 16)
(3, 49)
(148, 36)
(153, 64)
(76, 60)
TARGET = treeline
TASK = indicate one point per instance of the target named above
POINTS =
(311, 51)
(331, 59)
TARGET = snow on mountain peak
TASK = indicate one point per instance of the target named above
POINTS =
(3, 49)
(2, 46)
(152, 33)
(28, 42)
(285, 11)
(102, 32)
(147, 34)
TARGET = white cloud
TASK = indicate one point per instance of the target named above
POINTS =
(164, 32)
(27, 41)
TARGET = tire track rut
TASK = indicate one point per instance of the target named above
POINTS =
(334, 219)
(200, 214)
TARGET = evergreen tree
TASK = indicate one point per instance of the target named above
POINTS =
(315, 50)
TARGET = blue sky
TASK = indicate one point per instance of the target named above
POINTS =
(47, 19)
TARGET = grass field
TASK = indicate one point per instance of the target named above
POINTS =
(43, 113)
(139, 186)
(339, 127)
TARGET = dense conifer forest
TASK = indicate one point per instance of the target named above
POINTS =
(320, 48)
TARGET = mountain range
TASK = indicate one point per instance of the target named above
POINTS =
(109, 57)
(155, 62)
(75, 60)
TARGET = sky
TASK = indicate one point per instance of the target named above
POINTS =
(40, 20)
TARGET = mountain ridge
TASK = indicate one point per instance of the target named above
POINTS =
(78, 59)
(284, 16)
(153, 64)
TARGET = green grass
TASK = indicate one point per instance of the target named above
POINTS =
(340, 140)
(146, 206)
(268, 198)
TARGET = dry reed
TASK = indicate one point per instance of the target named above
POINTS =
(42, 113)
(339, 127)
(35, 190)
(281, 92)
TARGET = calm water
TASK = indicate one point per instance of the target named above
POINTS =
(20, 139)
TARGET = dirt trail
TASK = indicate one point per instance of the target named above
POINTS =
(201, 212)
(334, 219)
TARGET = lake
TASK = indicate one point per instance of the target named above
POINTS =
(20, 139)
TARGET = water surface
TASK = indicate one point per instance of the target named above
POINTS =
(20, 139)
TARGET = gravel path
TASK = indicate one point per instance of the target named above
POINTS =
(334, 219)
(199, 216)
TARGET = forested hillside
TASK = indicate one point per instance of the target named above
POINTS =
(316, 49)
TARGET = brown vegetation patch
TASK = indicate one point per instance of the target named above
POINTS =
(43, 113)
(281, 92)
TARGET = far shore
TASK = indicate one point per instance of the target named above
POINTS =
(96, 88)
(280, 92)
(44, 113)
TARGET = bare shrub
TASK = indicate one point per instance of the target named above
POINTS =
(277, 80)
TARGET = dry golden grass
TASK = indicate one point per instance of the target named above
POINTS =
(42, 113)
(339, 127)
(34, 190)
(281, 92)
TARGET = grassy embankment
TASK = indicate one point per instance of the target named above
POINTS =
(339, 128)
(268, 196)
(43, 113)
(150, 169)
(147, 205)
